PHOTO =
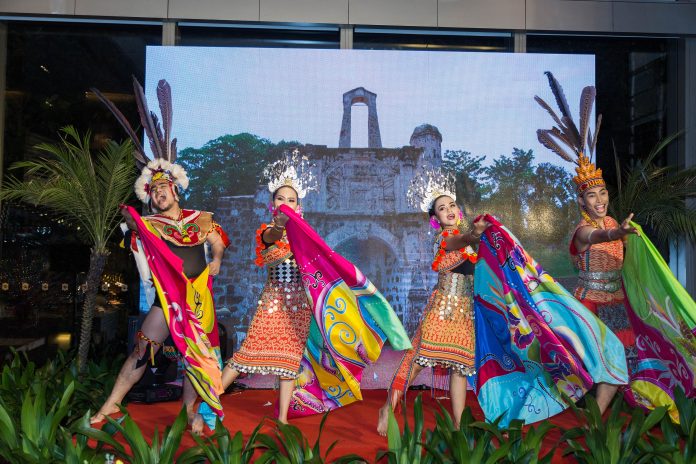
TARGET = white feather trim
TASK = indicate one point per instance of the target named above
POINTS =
(177, 175)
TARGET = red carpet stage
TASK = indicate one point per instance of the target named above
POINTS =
(353, 426)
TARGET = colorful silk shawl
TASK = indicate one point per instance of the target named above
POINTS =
(663, 317)
(189, 312)
(534, 340)
(351, 321)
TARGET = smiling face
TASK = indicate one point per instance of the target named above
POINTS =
(595, 201)
(446, 211)
(163, 196)
(285, 196)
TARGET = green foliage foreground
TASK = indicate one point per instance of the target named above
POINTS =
(44, 418)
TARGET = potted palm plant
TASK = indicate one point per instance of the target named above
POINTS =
(84, 188)
(658, 196)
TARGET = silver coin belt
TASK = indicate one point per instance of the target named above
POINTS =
(453, 288)
(609, 281)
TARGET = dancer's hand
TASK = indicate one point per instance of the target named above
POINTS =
(214, 267)
(281, 219)
(128, 218)
(626, 227)
(480, 226)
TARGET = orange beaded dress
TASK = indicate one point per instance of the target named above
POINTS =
(279, 329)
(445, 336)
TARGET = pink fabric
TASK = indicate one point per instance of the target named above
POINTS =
(193, 343)
(351, 316)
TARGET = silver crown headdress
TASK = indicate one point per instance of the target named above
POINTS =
(429, 185)
(293, 170)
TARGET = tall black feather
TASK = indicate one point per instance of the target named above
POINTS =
(164, 96)
(146, 119)
(138, 151)
(545, 138)
(562, 104)
(598, 124)
(571, 132)
(587, 99)
(563, 137)
(548, 108)
(158, 132)
(172, 151)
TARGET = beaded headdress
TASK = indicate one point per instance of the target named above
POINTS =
(429, 185)
(566, 135)
(293, 170)
(162, 167)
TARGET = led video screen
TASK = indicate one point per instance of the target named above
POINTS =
(368, 120)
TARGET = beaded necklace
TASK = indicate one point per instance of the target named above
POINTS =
(466, 256)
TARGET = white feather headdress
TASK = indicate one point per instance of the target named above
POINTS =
(160, 169)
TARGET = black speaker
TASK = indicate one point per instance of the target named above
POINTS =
(155, 393)
(164, 369)
(154, 385)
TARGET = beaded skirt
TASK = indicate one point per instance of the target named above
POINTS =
(445, 336)
(447, 328)
(279, 329)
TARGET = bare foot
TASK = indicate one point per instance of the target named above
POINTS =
(197, 424)
(100, 416)
(383, 421)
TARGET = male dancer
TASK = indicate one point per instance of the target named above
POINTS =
(644, 305)
(169, 247)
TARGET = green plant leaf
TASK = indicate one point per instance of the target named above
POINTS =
(393, 432)
(172, 437)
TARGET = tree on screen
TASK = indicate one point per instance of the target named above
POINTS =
(536, 201)
(468, 175)
(228, 165)
(510, 187)
(552, 209)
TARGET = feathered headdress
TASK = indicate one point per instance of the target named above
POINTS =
(162, 167)
(429, 185)
(566, 133)
(293, 170)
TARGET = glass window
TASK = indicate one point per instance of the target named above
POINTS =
(434, 40)
(241, 35)
(51, 67)
(636, 90)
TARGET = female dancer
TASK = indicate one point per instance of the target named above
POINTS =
(445, 336)
(278, 332)
(301, 264)
(535, 345)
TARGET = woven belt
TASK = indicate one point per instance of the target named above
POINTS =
(451, 283)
